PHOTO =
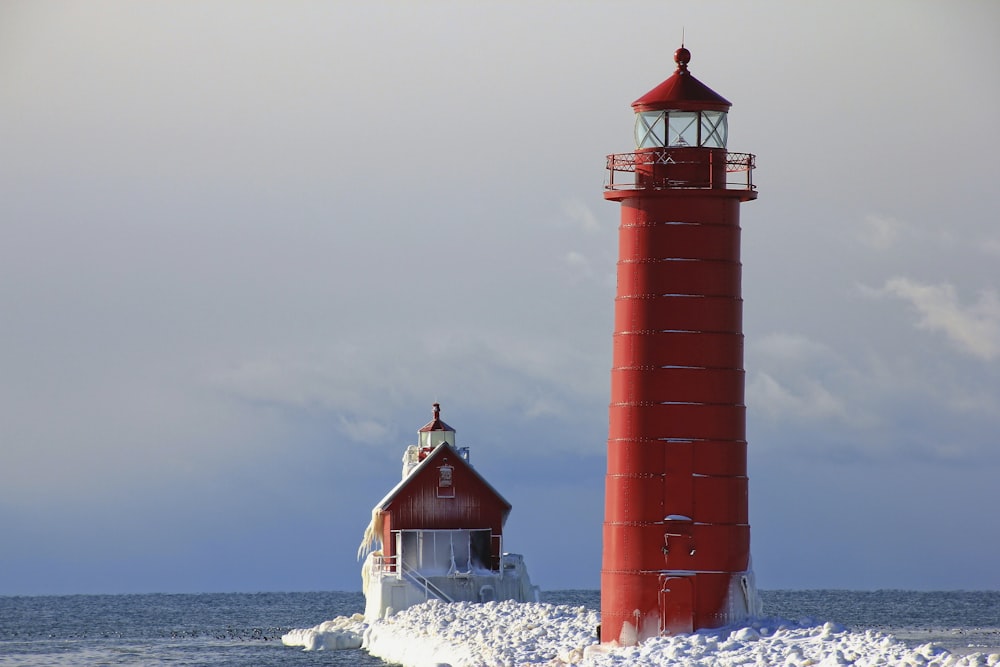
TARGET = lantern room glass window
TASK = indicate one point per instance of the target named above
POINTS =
(682, 128)
(650, 129)
(714, 129)
(666, 129)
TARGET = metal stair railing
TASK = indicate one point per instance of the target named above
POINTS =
(419, 580)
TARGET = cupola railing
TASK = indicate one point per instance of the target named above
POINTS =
(680, 168)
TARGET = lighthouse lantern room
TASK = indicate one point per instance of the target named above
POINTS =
(676, 531)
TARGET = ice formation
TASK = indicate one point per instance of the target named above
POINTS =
(343, 632)
(462, 634)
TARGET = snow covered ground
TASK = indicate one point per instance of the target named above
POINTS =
(436, 634)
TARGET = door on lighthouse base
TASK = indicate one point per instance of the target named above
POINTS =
(676, 605)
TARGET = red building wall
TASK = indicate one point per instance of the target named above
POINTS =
(468, 502)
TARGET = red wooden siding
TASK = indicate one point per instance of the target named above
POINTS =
(418, 504)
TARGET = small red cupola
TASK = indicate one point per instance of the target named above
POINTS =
(434, 433)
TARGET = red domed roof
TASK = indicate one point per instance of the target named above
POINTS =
(682, 91)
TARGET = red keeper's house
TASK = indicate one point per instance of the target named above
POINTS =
(440, 532)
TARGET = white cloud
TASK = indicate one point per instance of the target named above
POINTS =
(991, 247)
(880, 232)
(791, 348)
(354, 386)
(972, 400)
(365, 430)
(545, 407)
(794, 378)
(974, 329)
(582, 216)
(325, 381)
(578, 264)
(801, 399)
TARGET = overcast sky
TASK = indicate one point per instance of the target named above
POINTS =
(245, 245)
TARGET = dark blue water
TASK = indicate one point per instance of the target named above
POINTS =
(206, 629)
(246, 629)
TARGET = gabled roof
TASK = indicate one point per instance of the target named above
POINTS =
(682, 91)
(442, 450)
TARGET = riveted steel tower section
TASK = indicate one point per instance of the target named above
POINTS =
(676, 529)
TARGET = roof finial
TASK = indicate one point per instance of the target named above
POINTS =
(437, 410)
(682, 57)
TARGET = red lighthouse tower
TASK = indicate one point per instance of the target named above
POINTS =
(676, 528)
